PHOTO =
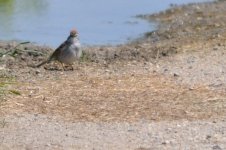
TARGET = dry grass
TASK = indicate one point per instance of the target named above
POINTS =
(127, 97)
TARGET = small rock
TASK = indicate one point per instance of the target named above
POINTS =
(216, 85)
(208, 137)
(176, 75)
(219, 44)
(191, 88)
(2, 68)
(37, 71)
(8, 58)
(215, 48)
(165, 142)
(216, 147)
(178, 125)
(22, 58)
(130, 130)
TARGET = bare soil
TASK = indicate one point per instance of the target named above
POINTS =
(163, 91)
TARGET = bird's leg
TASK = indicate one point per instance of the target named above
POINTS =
(72, 67)
(62, 66)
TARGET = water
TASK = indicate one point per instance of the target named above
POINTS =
(48, 22)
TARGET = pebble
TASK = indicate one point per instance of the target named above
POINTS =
(165, 142)
(37, 71)
(176, 75)
(208, 137)
(216, 147)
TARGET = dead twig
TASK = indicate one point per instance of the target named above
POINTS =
(14, 49)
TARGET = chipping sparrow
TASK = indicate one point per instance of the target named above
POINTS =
(67, 52)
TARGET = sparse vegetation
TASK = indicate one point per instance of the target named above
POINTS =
(84, 57)
(5, 81)
(2, 123)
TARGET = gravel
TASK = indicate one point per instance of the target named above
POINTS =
(33, 131)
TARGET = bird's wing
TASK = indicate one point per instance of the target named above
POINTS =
(58, 51)
(54, 55)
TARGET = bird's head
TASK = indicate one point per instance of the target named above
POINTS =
(73, 33)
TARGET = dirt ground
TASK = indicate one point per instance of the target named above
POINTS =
(163, 91)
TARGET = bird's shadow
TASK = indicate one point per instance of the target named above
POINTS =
(58, 68)
(51, 67)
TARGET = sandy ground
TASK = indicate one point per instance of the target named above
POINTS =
(52, 133)
(164, 91)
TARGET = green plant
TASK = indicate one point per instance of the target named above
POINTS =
(6, 80)
(84, 57)
(2, 123)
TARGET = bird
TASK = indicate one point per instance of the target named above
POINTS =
(67, 52)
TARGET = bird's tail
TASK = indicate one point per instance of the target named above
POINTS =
(42, 63)
(52, 57)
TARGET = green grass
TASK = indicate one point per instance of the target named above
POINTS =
(2, 88)
(5, 81)
(84, 57)
(2, 123)
(14, 92)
